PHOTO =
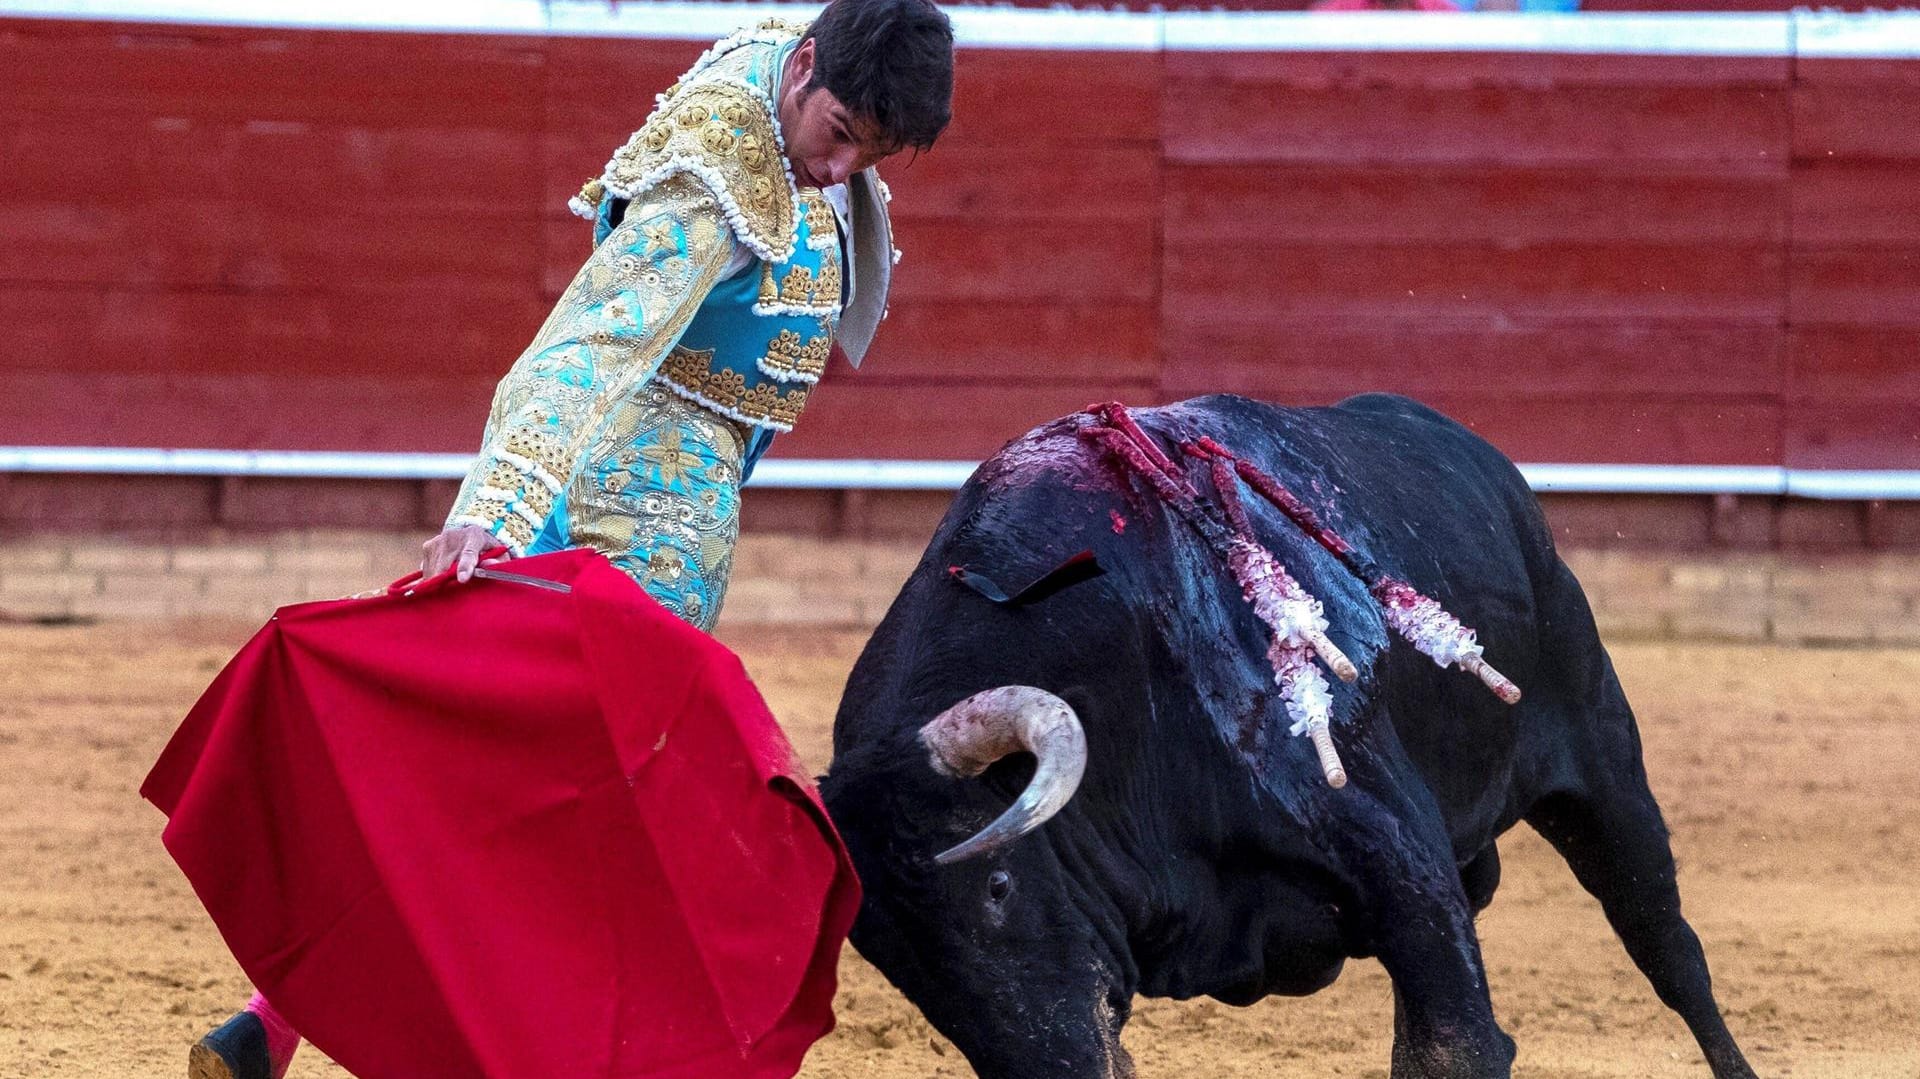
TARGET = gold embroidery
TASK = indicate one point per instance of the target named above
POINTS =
(827, 283)
(503, 477)
(690, 372)
(726, 384)
(706, 229)
(490, 509)
(753, 152)
(798, 287)
(687, 367)
(714, 551)
(676, 542)
(538, 499)
(728, 132)
(717, 139)
(788, 358)
(539, 447)
(802, 287)
(660, 236)
(820, 217)
(672, 463)
(637, 292)
(760, 192)
(667, 563)
(765, 404)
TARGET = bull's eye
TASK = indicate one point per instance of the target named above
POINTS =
(999, 883)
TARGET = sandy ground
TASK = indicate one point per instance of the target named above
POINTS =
(1791, 779)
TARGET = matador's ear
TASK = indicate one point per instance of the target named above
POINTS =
(1081, 567)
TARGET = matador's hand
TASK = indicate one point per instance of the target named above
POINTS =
(459, 547)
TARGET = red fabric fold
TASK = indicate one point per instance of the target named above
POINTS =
(491, 830)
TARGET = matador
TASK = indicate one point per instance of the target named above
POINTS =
(741, 235)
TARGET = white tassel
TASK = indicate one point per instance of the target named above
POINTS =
(1295, 617)
(1431, 630)
(1309, 702)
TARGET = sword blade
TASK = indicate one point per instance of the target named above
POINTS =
(521, 578)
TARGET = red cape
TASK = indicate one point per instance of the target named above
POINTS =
(492, 830)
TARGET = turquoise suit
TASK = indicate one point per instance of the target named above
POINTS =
(691, 337)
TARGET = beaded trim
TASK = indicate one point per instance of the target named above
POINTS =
(688, 372)
(801, 293)
(788, 359)
(823, 225)
(772, 240)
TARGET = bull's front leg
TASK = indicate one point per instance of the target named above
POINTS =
(1415, 916)
(1443, 1025)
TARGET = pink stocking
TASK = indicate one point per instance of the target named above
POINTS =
(282, 1039)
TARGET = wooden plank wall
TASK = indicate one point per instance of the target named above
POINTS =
(1853, 384)
(1583, 258)
(281, 239)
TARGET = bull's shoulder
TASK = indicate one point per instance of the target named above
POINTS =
(1361, 416)
(1236, 406)
(1418, 424)
(1394, 404)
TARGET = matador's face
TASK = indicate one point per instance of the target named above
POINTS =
(825, 142)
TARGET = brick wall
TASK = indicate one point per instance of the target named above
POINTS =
(54, 577)
(1788, 595)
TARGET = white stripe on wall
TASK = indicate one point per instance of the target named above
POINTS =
(1612, 34)
(1874, 35)
(1855, 484)
(926, 475)
(307, 464)
(466, 16)
(1837, 34)
(1658, 479)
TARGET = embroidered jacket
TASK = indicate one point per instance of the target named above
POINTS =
(705, 176)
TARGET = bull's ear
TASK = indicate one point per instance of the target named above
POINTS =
(1081, 567)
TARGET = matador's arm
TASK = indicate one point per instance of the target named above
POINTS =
(617, 321)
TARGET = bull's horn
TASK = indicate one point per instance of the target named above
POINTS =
(967, 738)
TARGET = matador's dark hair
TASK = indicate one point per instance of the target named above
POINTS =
(890, 62)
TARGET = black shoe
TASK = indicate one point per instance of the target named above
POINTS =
(236, 1049)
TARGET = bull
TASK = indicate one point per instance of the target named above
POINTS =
(1190, 846)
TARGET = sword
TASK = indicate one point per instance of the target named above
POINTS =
(521, 578)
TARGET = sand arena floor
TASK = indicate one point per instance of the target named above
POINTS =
(1791, 779)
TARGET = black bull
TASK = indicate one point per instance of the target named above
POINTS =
(1204, 854)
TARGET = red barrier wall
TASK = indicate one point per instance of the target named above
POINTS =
(1853, 381)
(317, 240)
(1583, 257)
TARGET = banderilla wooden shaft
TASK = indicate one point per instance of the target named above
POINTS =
(1330, 765)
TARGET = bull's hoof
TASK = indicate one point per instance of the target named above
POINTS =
(236, 1049)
